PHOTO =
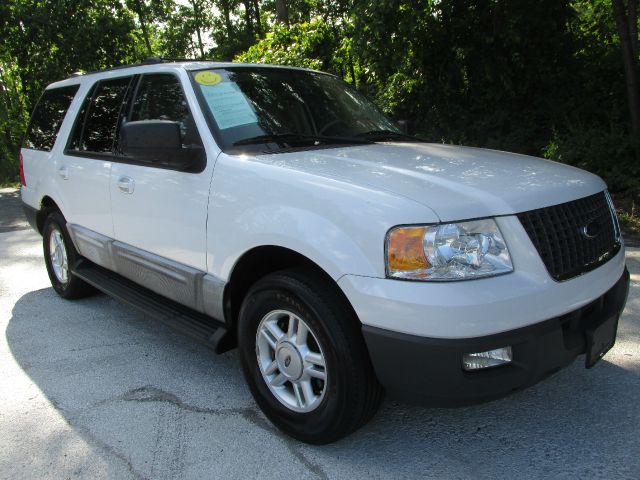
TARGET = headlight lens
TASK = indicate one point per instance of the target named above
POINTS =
(451, 251)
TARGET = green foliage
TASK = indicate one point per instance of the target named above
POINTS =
(13, 118)
(309, 45)
(44, 41)
(629, 220)
(605, 153)
(543, 78)
(470, 70)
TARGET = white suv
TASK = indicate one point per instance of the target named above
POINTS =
(278, 210)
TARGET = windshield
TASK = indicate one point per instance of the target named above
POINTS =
(254, 105)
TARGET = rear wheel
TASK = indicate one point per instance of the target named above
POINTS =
(304, 357)
(59, 256)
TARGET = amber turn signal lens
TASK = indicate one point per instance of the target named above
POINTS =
(405, 251)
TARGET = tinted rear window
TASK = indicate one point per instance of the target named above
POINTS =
(48, 116)
(95, 128)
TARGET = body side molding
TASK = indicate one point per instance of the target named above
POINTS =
(186, 285)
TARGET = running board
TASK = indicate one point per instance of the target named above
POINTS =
(199, 326)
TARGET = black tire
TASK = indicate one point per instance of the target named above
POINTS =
(73, 287)
(352, 392)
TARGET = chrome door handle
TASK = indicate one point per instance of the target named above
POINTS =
(64, 173)
(126, 184)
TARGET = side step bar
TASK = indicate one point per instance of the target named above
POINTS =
(199, 326)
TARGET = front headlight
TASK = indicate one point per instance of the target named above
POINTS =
(448, 251)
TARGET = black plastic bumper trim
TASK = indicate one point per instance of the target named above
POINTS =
(429, 370)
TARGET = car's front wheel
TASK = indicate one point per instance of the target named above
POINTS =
(304, 357)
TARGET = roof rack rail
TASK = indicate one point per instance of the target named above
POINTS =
(146, 61)
(152, 60)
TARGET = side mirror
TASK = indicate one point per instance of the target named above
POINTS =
(158, 142)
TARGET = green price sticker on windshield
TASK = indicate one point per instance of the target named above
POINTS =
(207, 78)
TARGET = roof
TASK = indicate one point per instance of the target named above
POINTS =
(186, 64)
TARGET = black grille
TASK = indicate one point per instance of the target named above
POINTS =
(575, 237)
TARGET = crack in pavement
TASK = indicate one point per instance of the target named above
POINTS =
(152, 394)
(109, 450)
(105, 345)
(85, 431)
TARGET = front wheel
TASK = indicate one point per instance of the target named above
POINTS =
(304, 357)
(59, 256)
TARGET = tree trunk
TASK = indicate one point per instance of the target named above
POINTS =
(227, 19)
(143, 27)
(198, 20)
(626, 22)
(10, 140)
(256, 14)
(633, 26)
(282, 12)
(248, 16)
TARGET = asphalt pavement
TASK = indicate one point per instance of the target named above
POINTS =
(91, 389)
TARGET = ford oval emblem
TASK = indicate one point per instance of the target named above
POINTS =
(591, 229)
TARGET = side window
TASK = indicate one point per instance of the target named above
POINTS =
(95, 128)
(160, 97)
(76, 134)
(48, 116)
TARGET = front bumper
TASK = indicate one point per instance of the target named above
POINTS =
(430, 369)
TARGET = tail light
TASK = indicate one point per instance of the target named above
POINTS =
(22, 180)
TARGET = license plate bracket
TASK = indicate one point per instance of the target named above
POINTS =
(600, 339)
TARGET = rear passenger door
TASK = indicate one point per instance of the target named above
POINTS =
(85, 167)
(157, 209)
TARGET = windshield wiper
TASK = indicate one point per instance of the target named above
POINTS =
(290, 138)
(379, 135)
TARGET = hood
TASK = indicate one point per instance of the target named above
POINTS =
(457, 183)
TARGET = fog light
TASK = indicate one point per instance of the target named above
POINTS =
(491, 358)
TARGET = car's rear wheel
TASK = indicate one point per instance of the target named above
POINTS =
(59, 256)
(304, 357)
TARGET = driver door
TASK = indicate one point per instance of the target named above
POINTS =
(159, 211)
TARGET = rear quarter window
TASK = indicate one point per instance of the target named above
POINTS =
(48, 116)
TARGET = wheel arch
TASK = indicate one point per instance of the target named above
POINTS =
(260, 262)
(47, 204)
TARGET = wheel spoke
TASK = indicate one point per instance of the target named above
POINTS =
(316, 373)
(278, 380)
(271, 368)
(268, 336)
(315, 359)
(297, 389)
(302, 333)
(275, 330)
(292, 326)
(307, 392)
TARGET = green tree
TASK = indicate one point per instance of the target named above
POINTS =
(13, 118)
(45, 40)
(313, 44)
(541, 77)
(626, 16)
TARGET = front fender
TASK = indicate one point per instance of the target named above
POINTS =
(338, 225)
